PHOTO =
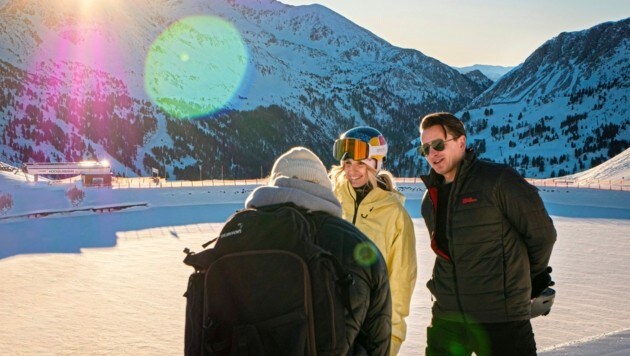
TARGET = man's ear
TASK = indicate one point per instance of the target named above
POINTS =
(462, 142)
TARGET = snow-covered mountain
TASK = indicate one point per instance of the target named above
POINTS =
(480, 79)
(564, 110)
(616, 168)
(221, 86)
(86, 69)
(491, 71)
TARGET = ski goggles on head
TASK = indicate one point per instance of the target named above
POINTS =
(437, 145)
(352, 148)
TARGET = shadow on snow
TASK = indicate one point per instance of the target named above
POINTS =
(70, 234)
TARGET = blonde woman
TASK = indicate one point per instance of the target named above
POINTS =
(370, 200)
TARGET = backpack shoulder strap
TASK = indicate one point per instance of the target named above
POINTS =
(344, 278)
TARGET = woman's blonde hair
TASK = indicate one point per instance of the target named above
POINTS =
(338, 177)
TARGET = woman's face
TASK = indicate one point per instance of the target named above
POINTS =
(357, 171)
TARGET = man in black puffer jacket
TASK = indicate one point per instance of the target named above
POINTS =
(299, 177)
(492, 237)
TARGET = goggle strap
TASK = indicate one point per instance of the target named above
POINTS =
(378, 150)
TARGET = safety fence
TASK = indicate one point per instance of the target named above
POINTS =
(148, 182)
(605, 184)
(154, 182)
(7, 168)
(408, 180)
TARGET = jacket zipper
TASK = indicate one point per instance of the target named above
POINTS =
(356, 205)
(449, 226)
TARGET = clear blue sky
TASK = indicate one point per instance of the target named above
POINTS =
(466, 32)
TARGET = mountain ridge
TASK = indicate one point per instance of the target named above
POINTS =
(294, 50)
(307, 69)
(493, 72)
(561, 111)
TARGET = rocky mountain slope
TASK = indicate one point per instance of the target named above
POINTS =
(227, 85)
(564, 110)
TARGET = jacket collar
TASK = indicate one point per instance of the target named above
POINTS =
(307, 195)
(375, 196)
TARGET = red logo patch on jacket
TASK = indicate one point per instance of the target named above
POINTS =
(469, 200)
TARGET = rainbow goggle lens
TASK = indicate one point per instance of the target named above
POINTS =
(351, 148)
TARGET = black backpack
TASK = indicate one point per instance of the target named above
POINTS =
(266, 288)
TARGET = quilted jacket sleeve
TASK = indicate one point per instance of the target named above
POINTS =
(402, 264)
(525, 210)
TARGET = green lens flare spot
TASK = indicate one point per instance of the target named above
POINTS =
(195, 67)
(365, 254)
(457, 349)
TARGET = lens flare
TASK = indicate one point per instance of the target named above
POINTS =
(196, 66)
(365, 254)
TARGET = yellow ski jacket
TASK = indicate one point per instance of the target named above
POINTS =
(382, 216)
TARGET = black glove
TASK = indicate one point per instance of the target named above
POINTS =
(542, 282)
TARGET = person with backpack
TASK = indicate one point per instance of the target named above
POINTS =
(492, 238)
(289, 276)
(372, 203)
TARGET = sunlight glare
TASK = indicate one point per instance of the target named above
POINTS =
(195, 67)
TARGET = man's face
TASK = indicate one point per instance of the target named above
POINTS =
(444, 162)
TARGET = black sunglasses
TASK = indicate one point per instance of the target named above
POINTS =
(437, 145)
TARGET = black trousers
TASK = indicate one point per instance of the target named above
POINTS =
(515, 338)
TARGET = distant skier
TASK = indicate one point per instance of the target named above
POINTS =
(493, 239)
